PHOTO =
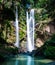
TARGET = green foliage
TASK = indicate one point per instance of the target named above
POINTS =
(48, 5)
(50, 52)
(49, 48)
(51, 42)
(0, 0)
(7, 51)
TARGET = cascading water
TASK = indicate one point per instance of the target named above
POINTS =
(30, 30)
(17, 28)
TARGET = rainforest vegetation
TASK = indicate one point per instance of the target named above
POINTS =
(44, 26)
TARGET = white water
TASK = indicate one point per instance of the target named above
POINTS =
(17, 28)
(30, 30)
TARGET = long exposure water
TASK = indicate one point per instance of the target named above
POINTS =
(26, 60)
(30, 30)
(17, 28)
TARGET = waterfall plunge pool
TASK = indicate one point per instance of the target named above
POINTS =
(27, 60)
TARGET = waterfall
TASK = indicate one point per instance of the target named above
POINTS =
(17, 28)
(30, 30)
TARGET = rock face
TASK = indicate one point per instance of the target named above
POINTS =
(39, 42)
(49, 28)
(44, 33)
